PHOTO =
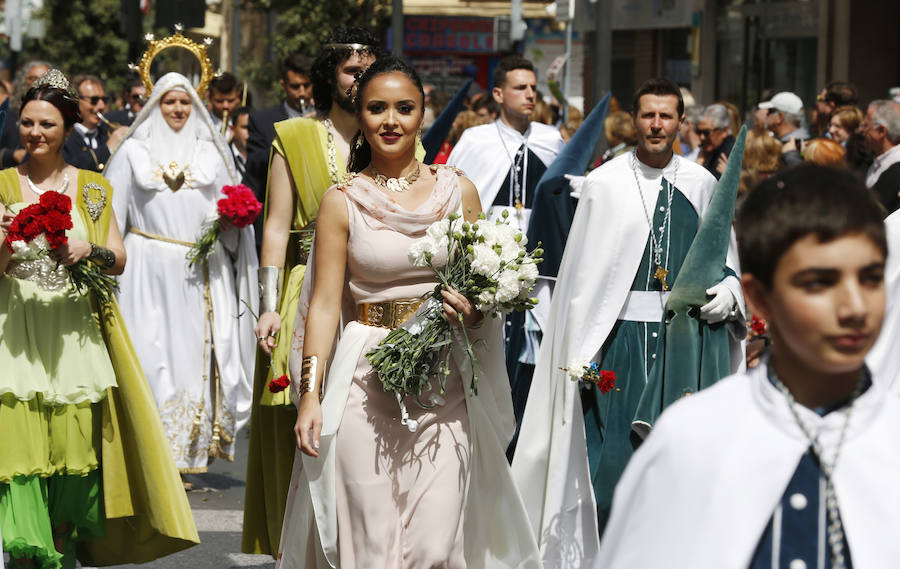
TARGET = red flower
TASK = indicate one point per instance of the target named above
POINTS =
(240, 205)
(757, 325)
(607, 381)
(279, 384)
(50, 216)
(55, 222)
(56, 201)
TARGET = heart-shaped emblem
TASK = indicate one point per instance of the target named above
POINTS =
(174, 179)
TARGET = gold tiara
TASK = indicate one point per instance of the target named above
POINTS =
(178, 40)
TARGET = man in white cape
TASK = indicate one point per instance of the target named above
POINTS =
(793, 464)
(608, 307)
(505, 159)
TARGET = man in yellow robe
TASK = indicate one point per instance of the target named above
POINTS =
(309, 155)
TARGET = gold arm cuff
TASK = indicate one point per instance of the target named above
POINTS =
(389, 314)
(308, 369)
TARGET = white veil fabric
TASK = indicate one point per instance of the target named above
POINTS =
(166, 145)
(182, 319)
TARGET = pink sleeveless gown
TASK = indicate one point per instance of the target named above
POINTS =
(399, 494)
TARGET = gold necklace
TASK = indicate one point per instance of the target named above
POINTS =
(398, 185)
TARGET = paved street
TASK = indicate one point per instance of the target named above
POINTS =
(217, 503)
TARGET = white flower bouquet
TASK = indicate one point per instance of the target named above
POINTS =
(487, 262)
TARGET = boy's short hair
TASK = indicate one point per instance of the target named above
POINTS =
(238, 113)
(224, 83)
(805, 200)
(296, 62)
(658, 86)
(507, 64)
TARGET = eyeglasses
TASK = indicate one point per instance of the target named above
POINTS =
(772, 111)
(96, 99)
(706, 131)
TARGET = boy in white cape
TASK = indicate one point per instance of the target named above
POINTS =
(795, 463)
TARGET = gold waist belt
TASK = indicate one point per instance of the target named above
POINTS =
(388, 314)
(162, 238)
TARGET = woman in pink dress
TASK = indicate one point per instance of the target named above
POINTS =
(367, 491)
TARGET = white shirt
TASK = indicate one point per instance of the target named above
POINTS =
(89, 135)
(881, 163)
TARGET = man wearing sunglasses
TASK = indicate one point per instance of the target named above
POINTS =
(90, 144)
(135, 97)
(716, 138)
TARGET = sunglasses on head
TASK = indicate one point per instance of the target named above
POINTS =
(96, 99)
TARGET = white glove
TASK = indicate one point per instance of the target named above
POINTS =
(721, 305)
(575, 182)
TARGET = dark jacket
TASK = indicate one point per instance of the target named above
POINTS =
(77, 153)
(262, 132)
(123, 116)
(9, 140)
(888, 188)
(713, 159)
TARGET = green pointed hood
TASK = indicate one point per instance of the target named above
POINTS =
(703, 264)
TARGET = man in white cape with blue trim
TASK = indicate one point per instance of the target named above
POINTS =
(608, 307)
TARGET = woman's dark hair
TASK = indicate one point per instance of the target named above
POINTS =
(63, 100)
(335, 50)
(360, 151)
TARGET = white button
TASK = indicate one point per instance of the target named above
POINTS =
(662, 208)
(797, 564)
(655, 334)
(653, 356)
(798, 501)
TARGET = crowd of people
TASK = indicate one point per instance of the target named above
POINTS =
(701, 383)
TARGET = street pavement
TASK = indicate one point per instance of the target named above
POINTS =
(217, 503)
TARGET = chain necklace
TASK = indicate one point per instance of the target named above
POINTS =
(332, 151)
(656, 244)
(835, 527)
(62, 187)
(397, 185)
(518, 162)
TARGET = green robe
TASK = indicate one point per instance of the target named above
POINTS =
(145, 512)
(630, 351)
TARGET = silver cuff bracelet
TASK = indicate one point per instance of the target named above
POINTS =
(269, 289)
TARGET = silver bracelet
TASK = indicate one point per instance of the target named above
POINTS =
(269, 289)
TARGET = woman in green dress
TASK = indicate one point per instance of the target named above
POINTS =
(71, 391)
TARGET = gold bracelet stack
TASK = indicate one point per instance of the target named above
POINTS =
(308, 369)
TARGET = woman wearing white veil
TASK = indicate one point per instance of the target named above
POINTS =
(192, 334)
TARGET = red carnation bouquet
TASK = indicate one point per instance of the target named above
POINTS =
(41, 227)
(239, 207)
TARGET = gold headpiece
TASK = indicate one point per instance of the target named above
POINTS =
(177, 40)
(54, 78)
(359, 47)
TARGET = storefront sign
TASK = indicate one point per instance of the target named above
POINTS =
(448, 33)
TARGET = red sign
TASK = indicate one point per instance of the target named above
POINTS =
(448, 34)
